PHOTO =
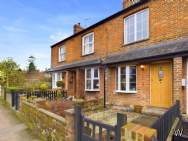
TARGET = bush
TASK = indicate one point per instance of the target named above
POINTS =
(14, 89)
(60, 84)
(43, 86)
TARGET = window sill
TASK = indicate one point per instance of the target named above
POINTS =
(126, 44)
(61, 61)
(126, 92)
(93, 90)
(84, 55)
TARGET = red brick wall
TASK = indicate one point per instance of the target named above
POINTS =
(168, 20)
(76, 84)
(142, 96)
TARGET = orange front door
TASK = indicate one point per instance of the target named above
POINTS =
(161, 84)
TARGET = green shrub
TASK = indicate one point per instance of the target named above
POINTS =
(43, 86)
(14, 89)
(60, 84)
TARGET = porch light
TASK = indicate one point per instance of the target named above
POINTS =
(142, 67)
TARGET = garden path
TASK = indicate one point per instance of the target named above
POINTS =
(11, 129)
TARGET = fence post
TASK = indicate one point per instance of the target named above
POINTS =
(12, 99)
(17, 101)
(178, 108)
(78, 123)
(5, 93)
(121, 120)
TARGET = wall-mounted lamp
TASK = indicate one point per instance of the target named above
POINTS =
(142, 67)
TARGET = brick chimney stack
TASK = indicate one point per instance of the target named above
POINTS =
(124, 4)
(127, 3)
(77, 28)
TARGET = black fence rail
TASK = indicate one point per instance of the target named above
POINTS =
(164, 124)
(49, 95)
(86, 129)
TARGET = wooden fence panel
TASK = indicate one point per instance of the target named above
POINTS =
(83, 135)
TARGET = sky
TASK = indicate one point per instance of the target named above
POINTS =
(30, 27)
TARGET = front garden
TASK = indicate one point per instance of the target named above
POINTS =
(51, 116)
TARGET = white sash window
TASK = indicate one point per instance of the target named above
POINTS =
(88, 44)
(136, 27)
(126, 79)
(92, 79)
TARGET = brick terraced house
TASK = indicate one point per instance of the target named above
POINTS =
(139, 55)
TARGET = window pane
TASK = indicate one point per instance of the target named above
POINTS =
(86, 40)
(142, 24)
(59, 76)
(123, 71)
(90, 47)
(61, 53)
(62, 50)
(132, 70)
(117, 79)
(123, 86)
(96, 75)
(91, 38)
(132, 86)
(132, 78)
(88, 73)
(130, 29)
(88, 84)
(96, 84)
(123, 75)
(123, 78)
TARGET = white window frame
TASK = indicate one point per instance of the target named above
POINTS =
(84, 45)
(92, 79)
(135, 27)
(57, 76)
(118, 80)
(62, 55)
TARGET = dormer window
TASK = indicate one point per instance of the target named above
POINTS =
(88, 44)
(136, 27)
(61, 54)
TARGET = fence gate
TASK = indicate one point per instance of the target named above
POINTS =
(90, 130)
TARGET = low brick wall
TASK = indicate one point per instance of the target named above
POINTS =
(46, 125)
(91, 105)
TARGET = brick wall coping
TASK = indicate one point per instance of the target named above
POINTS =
(50, 114)
(69, 112)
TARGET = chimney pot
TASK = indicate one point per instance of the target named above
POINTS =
(127, 3)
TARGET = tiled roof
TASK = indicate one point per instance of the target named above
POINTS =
(163, 49)
(159, 50)
(76, 64)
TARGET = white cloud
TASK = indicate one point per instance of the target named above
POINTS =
(13, 29)
(58, 36)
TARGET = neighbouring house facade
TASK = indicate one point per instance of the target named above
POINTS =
(136, 56)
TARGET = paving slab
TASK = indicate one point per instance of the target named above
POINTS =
(11, 129)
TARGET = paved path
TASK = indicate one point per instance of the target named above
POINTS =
(11, 129)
